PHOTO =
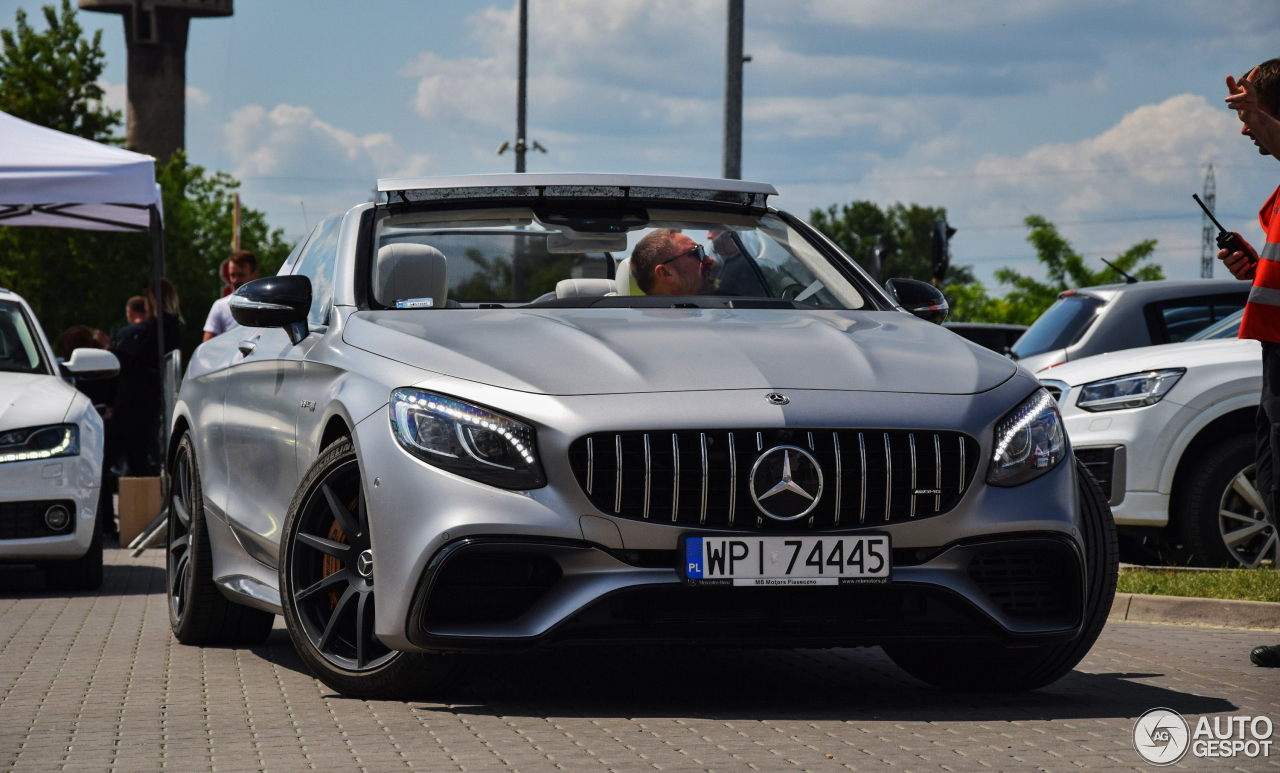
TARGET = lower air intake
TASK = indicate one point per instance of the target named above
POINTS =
(1028, 582)
(489, 587)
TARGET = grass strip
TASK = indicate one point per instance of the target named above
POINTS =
(1239, 584)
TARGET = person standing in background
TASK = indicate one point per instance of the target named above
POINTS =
(243, 268)
(1256, 100)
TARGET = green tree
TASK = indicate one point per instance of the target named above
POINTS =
(1065, 268)
(904, 232)
(75, 277)
(51, 78)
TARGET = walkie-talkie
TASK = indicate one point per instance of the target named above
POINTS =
(1227, 240)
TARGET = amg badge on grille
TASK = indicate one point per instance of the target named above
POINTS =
(786, 483)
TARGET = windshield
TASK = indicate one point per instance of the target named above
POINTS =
(1224, 328)
(19, 351)
(1059, 327)
(515, 257)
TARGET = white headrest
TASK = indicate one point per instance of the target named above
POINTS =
(583, 288)
(408, 271)
(626, 285)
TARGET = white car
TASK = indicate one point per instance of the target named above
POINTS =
(50, 452)
(1168, 431)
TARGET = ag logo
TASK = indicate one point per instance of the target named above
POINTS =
(1161, 736)
(786, 483)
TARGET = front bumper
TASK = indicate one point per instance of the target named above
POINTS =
(417, 511)
(71, 480)
(1015, 589)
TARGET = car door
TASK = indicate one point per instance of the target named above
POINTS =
(260, 418)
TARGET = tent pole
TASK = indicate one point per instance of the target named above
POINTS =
(157, 258)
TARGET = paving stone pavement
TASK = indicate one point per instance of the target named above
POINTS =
(95, 682)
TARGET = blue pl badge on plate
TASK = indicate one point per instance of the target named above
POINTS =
(693, 557)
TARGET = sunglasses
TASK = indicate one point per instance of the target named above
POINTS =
(697, 251)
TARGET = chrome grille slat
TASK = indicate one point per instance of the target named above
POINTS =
(937, 468)
(888, 477)
(675, 490)
(702, 512)
(632, 482)
(648, 475)
(911, 441)
(617, 491)
(862, 450)
(733, 478)
(835, 440)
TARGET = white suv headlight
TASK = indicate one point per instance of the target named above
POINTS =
(1132, 391)
(466, 439)
(24, 445)
(1029, 441)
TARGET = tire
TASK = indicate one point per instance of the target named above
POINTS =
(84, 573)
(198, 612)
(327, 591)
(1224, 481)
(996, 668)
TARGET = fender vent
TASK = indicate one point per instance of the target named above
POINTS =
(489, 586)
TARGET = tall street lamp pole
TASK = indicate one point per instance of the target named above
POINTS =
(524, 83)
(731, 158)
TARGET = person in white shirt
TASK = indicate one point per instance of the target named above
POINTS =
(243, 268)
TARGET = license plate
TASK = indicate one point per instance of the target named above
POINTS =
(767, 561)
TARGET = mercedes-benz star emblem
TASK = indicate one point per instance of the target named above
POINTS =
(364, 564)
(791, 481)
(777, 398)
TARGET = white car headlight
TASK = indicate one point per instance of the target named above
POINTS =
(1029, 441)
(1132, 391)
(466, 439)
(24, 445)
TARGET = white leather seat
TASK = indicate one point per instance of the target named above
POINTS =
(625, 284)
(407, 271)
(584, 288)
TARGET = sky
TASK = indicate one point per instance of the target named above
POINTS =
(1100, 116)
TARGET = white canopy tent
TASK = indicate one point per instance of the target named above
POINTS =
(48, 178)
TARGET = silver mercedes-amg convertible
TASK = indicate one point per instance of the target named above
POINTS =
(501, 412)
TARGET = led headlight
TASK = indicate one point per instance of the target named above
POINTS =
(466, 439)
(1029, 442)
(1132, 391)
(24, 445)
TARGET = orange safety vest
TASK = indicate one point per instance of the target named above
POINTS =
(1262, 313)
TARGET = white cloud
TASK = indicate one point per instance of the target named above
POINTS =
(196, 97)
(114, 95)
(289, 141)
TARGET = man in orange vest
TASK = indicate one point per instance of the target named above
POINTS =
(1256, 99)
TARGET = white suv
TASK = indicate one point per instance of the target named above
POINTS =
(1168, 431)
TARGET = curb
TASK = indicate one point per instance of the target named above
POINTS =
(1141, 608)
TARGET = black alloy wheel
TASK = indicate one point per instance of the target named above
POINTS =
(327, 591)
(198, 612)
(179, 552)
(331, 572)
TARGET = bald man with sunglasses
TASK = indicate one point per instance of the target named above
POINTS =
(666, 262)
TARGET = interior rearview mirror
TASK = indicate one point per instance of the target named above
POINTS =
(274, 301)
(920, 298)
(90, 364)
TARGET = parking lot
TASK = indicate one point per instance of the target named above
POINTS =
(96, 682)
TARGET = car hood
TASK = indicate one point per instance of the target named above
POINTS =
(29, 400)
(612, 351)
(1184, 355)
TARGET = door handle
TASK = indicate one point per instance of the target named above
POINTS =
(246, 347)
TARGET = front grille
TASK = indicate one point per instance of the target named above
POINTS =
(701, 478)
(1027, 583)
(1101, 462)
(489, 586)
(24, 520)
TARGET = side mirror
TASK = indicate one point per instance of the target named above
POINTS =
(90, 364)
(920, 298)
(275, 301)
